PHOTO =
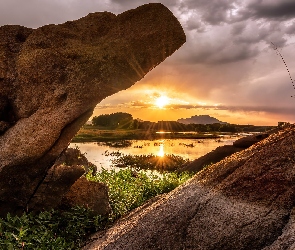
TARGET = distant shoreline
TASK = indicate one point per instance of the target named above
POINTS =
(92, 134)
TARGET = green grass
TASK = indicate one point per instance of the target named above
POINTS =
(167, 162)
(129, 188)
(48, 230)
(55, 229)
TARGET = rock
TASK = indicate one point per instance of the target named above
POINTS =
(244, 202)
(221, 152)
(249, 140)
(214, 156)
(88, 194)
(51, 79)
(70, 166)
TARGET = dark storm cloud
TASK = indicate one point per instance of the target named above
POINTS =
(253, 34)
(283, 9)
(220, 53)
(235, 55)
(266, 109)
(269, 9)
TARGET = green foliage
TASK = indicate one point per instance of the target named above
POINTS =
(115, 120)
(168, 162)
(48, 230)
(129, 188)
(54, 229)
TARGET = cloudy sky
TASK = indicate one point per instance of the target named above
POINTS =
(228, 68)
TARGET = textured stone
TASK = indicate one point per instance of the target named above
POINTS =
(71, 165)
(88, 194)
(51, 79)
(243, 202)
(214, 156)
(221, 152)
(249, 140)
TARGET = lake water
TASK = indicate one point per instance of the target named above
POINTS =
(99, 153)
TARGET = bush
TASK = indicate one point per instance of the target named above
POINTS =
(168, 162)
(129, 188)
(54, 229)
(48, 230)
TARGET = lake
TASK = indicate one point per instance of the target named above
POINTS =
(100, 153)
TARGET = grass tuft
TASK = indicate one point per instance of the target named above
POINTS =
(128, 189)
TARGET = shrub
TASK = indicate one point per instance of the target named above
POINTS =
(168, 162)
(48, 230)
(129, 188)
(55, 229)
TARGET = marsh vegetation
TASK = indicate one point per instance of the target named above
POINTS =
(128, 189)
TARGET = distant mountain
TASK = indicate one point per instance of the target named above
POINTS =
(200, 119)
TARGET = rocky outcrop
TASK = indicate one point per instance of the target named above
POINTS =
(212, 157)
(221, 152)
(70, 166)
(200, 119)
(246, 201)
(248, 141)
(88, 194)
(51, 78)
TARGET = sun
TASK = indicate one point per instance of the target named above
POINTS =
(162, 101)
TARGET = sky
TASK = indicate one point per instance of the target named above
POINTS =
(230, 67)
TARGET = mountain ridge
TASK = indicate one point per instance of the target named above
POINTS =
(200, 119)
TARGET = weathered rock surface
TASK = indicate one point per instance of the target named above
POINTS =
(88, 194)
(214, 156)
(51, 78)
(221, 152)
(70, 166)
(246, 201)
(248, 141)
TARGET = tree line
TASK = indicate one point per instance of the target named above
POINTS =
(121, 120)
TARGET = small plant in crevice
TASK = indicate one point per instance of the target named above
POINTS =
(280, 55)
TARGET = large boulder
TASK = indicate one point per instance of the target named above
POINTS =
(88, 194)
(248, 141)
(221, 152)
(51, 79)
(214, 156)
(68, 167)
(244, 202)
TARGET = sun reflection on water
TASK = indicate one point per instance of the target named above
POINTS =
(161, 152)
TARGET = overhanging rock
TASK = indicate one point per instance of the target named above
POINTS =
(51, 78)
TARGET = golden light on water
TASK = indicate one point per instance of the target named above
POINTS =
(161, 152)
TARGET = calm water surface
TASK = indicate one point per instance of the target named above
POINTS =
(99, 153)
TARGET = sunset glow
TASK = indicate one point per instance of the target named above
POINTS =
(240, 79)
(162, 101)
(161, 152)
